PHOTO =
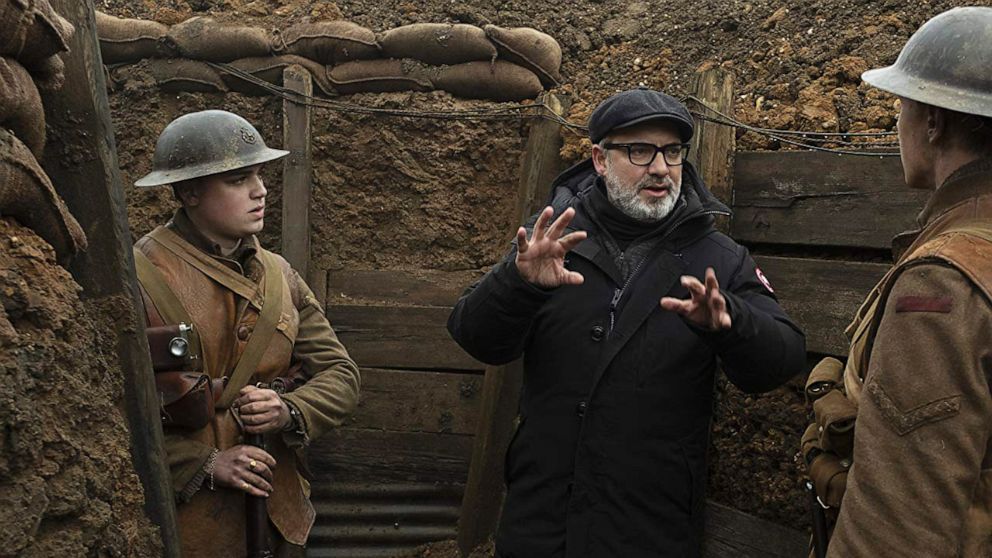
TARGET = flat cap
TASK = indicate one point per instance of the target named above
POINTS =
(636, 106)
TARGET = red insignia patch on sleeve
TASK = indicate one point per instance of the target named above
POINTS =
(940, 304)
(763, 279)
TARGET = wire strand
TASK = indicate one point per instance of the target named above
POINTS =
(540, 109)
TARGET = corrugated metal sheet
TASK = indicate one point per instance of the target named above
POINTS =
(382, 520)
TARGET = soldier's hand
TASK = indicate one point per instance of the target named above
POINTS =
(261, 410)
(541, 259)
(706, 307)
(245, 468)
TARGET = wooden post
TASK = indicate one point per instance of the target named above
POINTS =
(484, 490)
(297, 174)
(713, 144)
(81, 159)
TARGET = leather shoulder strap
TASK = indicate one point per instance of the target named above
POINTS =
(165, 300)
(166, 303)
(207, 265)
(262, 334)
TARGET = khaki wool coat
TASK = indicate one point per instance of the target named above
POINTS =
(223, 297)
(921, 481)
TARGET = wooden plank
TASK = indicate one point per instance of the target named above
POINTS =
(297, 174)
(363, 455)
(408, 287)
(399, 337)
(821, 199)
(81, 160)
(821, 295)
(484, 491)
(734, 534)
(713, 144)
(410, 401)
(541, 162)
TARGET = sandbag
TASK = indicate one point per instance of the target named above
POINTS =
(499, 81)
(129, 40)
(437, 43)
(380, 76)
(270, 69)
(49, 75)
(179, 75)
(32, 31)
(202, 38)
(328, 42)
(536, 51)
(21, 110)
(27, 195)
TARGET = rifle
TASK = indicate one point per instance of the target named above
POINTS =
(258, 536)
(820, 540)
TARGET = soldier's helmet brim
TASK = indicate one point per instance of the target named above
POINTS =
(206, 143)
(945, 63)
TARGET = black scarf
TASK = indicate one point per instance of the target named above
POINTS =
(622, 228)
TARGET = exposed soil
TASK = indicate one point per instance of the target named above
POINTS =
(403, 193)
(69, 488)
(797, 64)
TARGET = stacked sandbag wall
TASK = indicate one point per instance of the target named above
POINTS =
(67, 483)
(492, 63)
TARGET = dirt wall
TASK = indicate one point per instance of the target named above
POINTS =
(405, 193)
(68, 488)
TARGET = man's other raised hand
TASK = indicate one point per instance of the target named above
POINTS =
(541, 259)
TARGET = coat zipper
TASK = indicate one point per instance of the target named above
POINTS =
(618, 293)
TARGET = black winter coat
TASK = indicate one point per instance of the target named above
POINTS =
(609, 459)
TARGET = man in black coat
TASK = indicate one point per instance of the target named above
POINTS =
(621, 296)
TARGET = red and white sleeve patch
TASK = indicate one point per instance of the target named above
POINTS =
(763, 279)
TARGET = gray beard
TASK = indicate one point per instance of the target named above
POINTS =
(626, 199)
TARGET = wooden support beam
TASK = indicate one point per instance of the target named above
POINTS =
(713, 144)
(297, 174)
(81, 159)
(822, 199)
(484, 491)
(734, 534)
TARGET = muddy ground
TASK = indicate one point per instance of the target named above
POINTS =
(428, 194)
(68, 488)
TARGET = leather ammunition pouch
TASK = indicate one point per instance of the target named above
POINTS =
(188, 399)
(187, 396)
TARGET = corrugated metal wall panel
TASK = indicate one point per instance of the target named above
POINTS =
(382, 520)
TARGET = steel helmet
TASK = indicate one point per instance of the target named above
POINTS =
(204, 143)
(945, 63)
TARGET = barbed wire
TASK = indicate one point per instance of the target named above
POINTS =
(540, 109)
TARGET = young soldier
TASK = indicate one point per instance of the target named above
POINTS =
(920, 364)
(254, 320)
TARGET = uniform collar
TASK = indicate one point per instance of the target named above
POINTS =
(970, 181)
(966, 191)
(182, 225)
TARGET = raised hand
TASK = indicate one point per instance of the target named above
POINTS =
(541, 259)
(706, 308)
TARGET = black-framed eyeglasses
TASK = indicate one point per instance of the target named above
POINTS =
(643, 154)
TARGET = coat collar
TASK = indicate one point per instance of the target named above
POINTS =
(967, 193)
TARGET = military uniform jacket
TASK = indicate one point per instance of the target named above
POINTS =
(921, 481)
(223, 297)
(609, 456)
